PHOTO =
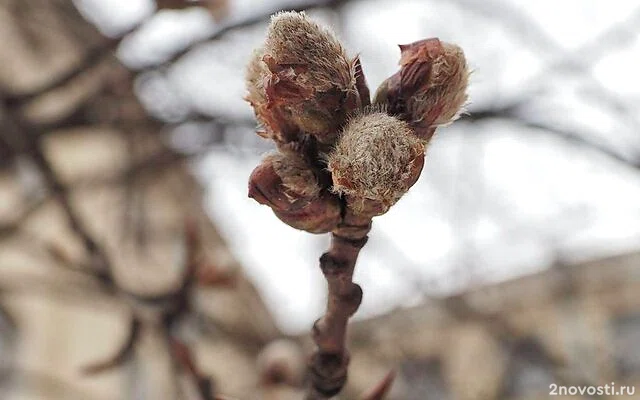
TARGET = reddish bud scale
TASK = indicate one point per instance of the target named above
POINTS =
(429, 90)
(302, 82)
(315, 213)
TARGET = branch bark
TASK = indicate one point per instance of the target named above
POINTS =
(330, 361)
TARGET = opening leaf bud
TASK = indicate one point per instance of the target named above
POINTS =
(284, 182)
(377, 159)
(430, 88)
(302, 81)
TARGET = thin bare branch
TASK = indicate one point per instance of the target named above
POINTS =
(382, 388)
(91, 58)
(179, 4)
(183, 357)
(329, 363)
(514, 113)
(234, 25)
(123, 354)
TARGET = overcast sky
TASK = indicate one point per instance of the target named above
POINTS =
(492, 204)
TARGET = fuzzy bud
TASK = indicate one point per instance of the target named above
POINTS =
(302, 80)
(284, 182)
(430, 88)
(377, 159)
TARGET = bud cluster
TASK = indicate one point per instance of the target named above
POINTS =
(336, 154)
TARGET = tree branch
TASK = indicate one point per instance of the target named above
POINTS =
(513, 113)
(234, 25)
(330, 361)
(91, 58)
(124, 353)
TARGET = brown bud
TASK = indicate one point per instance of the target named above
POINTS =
(284, 182)
(302, 81)
(430, 88)
(275, 120)
(375, 162)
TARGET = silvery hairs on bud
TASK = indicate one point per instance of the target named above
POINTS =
(282, 179)
(447, 87)
(284, 182)
(254, 76)
(430, 88)
(294, 39)
(300, 78)
(297, 177)
(377, 157)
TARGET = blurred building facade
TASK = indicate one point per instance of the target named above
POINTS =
(103, 235)
(575, 325)
(87, 176)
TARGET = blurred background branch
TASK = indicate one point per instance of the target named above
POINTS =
(126, 234)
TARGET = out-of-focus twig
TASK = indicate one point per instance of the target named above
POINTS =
(382, 388)
(18, 131)
(514, 113)
(236, 24)
(580, 60)
(330, 362)
(90, 59)
(122, 354)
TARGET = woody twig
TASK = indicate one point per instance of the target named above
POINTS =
(341, 161)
